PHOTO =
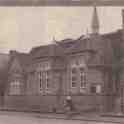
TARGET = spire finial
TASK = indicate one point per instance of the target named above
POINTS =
(54, 40)
(95, 21)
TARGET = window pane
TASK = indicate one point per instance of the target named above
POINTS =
(83, 79)
(15, 88)
(39, 74)
(98, 89)
(48, 83)
(73, 78)
(93, 89)
(81, 69)
(83, 84)
(40, 83)
(73, 70)
(40, 79)
(73, 84)
(47, 79)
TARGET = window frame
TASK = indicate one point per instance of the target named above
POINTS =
(75, 76)
(40, 80)
(15, 87)
(47, 78)
(96, 88)
(83, 79)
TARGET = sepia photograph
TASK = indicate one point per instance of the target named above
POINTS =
(61, 62)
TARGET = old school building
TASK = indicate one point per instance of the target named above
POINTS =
(89, 69)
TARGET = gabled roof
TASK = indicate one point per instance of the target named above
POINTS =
(43, 51)
(107, 46)
(23, 59)
(66, 46)
(113, 35)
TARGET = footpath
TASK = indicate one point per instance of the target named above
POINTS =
(90, 117)
(117, 119)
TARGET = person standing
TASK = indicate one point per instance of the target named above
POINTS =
(68, 103)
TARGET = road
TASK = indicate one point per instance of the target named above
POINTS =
(21, 118)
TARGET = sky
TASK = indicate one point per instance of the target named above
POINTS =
(22, 28)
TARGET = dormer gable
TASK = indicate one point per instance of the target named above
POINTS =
(15, 66)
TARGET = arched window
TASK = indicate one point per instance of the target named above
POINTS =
(78, 74)
(43, 74)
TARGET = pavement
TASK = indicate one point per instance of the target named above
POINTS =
(89, 117)
(85, 117)
(29, 118)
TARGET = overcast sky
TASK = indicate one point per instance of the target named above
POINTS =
(22, 28)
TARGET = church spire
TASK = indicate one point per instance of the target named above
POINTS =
(95, 22)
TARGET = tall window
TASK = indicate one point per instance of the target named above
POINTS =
(47, 79)
(82, 78)
(44, 76)
(78, 75)
(73, 77)
(41, 80)
(15, 88)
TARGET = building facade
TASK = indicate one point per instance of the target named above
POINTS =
(89, 69)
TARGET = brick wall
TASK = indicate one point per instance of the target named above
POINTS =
(15, 102)
(30, 103)
(46, 103)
